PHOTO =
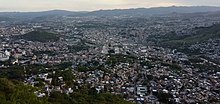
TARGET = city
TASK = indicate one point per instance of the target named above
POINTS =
(168, 58)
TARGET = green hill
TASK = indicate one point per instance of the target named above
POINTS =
(17, 93)
(13, 91)
(202, 34)
(41, 36)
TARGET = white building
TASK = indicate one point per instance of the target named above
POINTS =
(4, 56)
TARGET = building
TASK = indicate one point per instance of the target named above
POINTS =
(4, 56)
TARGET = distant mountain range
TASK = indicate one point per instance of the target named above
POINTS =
(39, 14)
(155, 11)
(116, 12)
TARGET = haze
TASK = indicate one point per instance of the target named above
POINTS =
(90, 5)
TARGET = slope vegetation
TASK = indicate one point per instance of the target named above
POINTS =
(41, 36)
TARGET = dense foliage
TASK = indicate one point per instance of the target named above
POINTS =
(17, 93)
(86, 96)
(40, 36)
(13, 91)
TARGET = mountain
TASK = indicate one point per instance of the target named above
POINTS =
(30, 16)
(115, 12)
(154, 11)
(38, 14)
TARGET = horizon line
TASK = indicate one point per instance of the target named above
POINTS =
(21, 11)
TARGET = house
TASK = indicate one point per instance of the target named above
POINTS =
(3, 56)
(141, 90)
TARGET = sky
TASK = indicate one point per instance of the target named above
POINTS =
(91, 5)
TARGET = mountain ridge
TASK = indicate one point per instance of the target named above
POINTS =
(117, 12)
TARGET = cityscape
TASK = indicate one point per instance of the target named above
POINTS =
(161, 55)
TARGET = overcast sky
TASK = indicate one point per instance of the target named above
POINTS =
(90, 5)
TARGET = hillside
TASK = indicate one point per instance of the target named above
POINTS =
(41, 36)
(13, 91)
(202, 34)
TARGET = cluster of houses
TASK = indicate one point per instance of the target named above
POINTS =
(116, 61)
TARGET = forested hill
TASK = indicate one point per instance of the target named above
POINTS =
(200, 34)
(41, 36)
(14, 92)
